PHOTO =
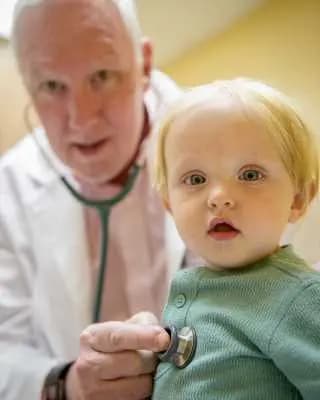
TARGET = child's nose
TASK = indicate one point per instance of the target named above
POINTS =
(220, 198)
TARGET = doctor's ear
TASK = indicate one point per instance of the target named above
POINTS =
(147, 56)
(30, 117)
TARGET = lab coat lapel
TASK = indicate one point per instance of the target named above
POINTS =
(174, 246)
(63, 284)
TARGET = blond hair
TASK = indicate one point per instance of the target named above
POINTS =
(296, 145)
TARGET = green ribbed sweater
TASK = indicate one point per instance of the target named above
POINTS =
(258, 332)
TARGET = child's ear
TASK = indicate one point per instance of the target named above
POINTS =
(301, 202)
(298, 207)
(166, 205)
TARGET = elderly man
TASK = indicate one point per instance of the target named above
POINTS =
(89, 74)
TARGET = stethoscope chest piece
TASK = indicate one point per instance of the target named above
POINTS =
(181, 350)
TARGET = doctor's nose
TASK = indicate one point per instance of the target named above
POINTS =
(84, 108)
(219, 198)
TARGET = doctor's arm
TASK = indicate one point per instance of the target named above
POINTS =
(23, 366)
(116, 359)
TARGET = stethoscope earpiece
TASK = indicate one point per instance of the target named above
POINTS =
(181, 350)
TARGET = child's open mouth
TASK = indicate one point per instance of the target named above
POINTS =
(222, 230)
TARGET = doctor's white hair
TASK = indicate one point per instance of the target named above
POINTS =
(126, 8)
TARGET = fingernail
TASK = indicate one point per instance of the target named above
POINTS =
(163, 340)
(157, 329)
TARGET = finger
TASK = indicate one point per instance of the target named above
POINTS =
(118, 336)
(135, 388)
(104, 366)
(143, 318)
(129, 364)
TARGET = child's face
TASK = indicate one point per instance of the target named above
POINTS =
(228, 190)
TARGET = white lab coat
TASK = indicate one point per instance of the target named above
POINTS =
(45, 299)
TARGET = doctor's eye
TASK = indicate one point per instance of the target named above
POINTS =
(251, 175)
(53, 87)
(100, 76)
(194, 179)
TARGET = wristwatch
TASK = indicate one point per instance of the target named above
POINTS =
(54, 385)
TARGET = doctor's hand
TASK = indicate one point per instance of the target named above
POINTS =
(116, 360)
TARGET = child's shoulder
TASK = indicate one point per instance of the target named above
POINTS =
(283, 270)
(287, 263)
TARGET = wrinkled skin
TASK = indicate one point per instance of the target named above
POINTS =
(112, 364)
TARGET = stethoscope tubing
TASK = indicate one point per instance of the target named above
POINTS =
(183, 342)
(103, 208)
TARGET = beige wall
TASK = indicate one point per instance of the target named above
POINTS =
(279, 43)
(12, 99)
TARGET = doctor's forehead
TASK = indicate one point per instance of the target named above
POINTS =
(53, 20)
(57, 28)
(53, 14)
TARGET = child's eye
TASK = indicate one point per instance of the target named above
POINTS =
(251, 175)
(194, 179)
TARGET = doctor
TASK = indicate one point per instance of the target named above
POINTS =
(89, 74)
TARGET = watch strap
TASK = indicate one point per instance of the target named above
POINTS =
(54, 385)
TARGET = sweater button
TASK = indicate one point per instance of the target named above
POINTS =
(180, 300)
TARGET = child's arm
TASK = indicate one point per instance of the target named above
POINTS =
(295, 344)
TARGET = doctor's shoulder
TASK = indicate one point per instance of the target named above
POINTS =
(22, 172)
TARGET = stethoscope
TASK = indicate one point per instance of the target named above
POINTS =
(182, 346)
(183, 342)
(103, 208)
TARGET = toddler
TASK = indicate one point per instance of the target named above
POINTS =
(235, 164)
